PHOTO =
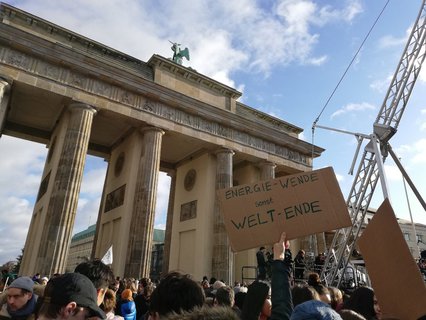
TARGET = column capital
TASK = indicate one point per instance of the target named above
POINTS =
(74, 106)
(150, 128)
(224, 150)
(266, 163)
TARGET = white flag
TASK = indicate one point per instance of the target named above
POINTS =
(107, 259)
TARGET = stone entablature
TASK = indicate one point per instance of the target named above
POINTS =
(213, 120)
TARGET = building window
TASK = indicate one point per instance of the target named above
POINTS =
(420, 238)
(406, 236)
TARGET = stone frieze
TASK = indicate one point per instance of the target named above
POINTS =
(79, 80)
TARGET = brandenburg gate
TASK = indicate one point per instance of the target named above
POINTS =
(80, 97)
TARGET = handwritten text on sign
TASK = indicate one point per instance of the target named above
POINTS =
(300, 204)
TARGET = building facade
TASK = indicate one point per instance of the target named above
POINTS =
(82, 244)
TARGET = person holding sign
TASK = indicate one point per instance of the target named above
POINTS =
(282, 305)
(261, 263)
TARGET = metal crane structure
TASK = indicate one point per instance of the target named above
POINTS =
(371, 169)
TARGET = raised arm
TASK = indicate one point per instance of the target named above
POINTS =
(282, 305)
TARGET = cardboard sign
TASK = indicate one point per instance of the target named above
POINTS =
(394, 274)
(300, 204)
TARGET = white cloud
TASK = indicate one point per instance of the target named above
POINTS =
(419, 156)
(87, 212)
(353, 108)
(318, 61)
(348, 13)
(413, 154)
(20, 167)
(340, 178)
(222, 36)
(389, 41)
(93, 180)
(393, 173)
(15, 217)
(381, 85)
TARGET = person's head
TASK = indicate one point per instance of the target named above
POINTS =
(301, 253)
(70, 296)
(99, 273)
(224, 296)
(132, 286)
(115, 285)
(143, 283)
(148, 290)
(262, 249)
(302, 292)
(127, 294)
(176, 292)
(205, 284)
(336, 297)
(109, 302)
(257, 294)
(218, 284)
(314, 279)
(364, 302)
(19, 293)
(44, 280)
(212, 280)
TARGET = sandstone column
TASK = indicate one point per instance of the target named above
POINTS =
(4, 101)
(62, 206)
(267, 170)
(138, 261)
(222, 260)
(169, 222)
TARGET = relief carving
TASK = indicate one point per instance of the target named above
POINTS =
(18, 59)
(101, 88)
(51, 71)
(115, 198)
(188, 211)
(77, 80)
(127, 98)
(149, 106)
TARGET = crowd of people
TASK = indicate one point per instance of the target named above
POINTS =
(92, 291)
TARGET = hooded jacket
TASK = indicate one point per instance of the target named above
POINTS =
(314, 309)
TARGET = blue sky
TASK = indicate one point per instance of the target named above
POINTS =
(285, 56)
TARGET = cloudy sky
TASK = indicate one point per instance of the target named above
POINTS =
(286, 56)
